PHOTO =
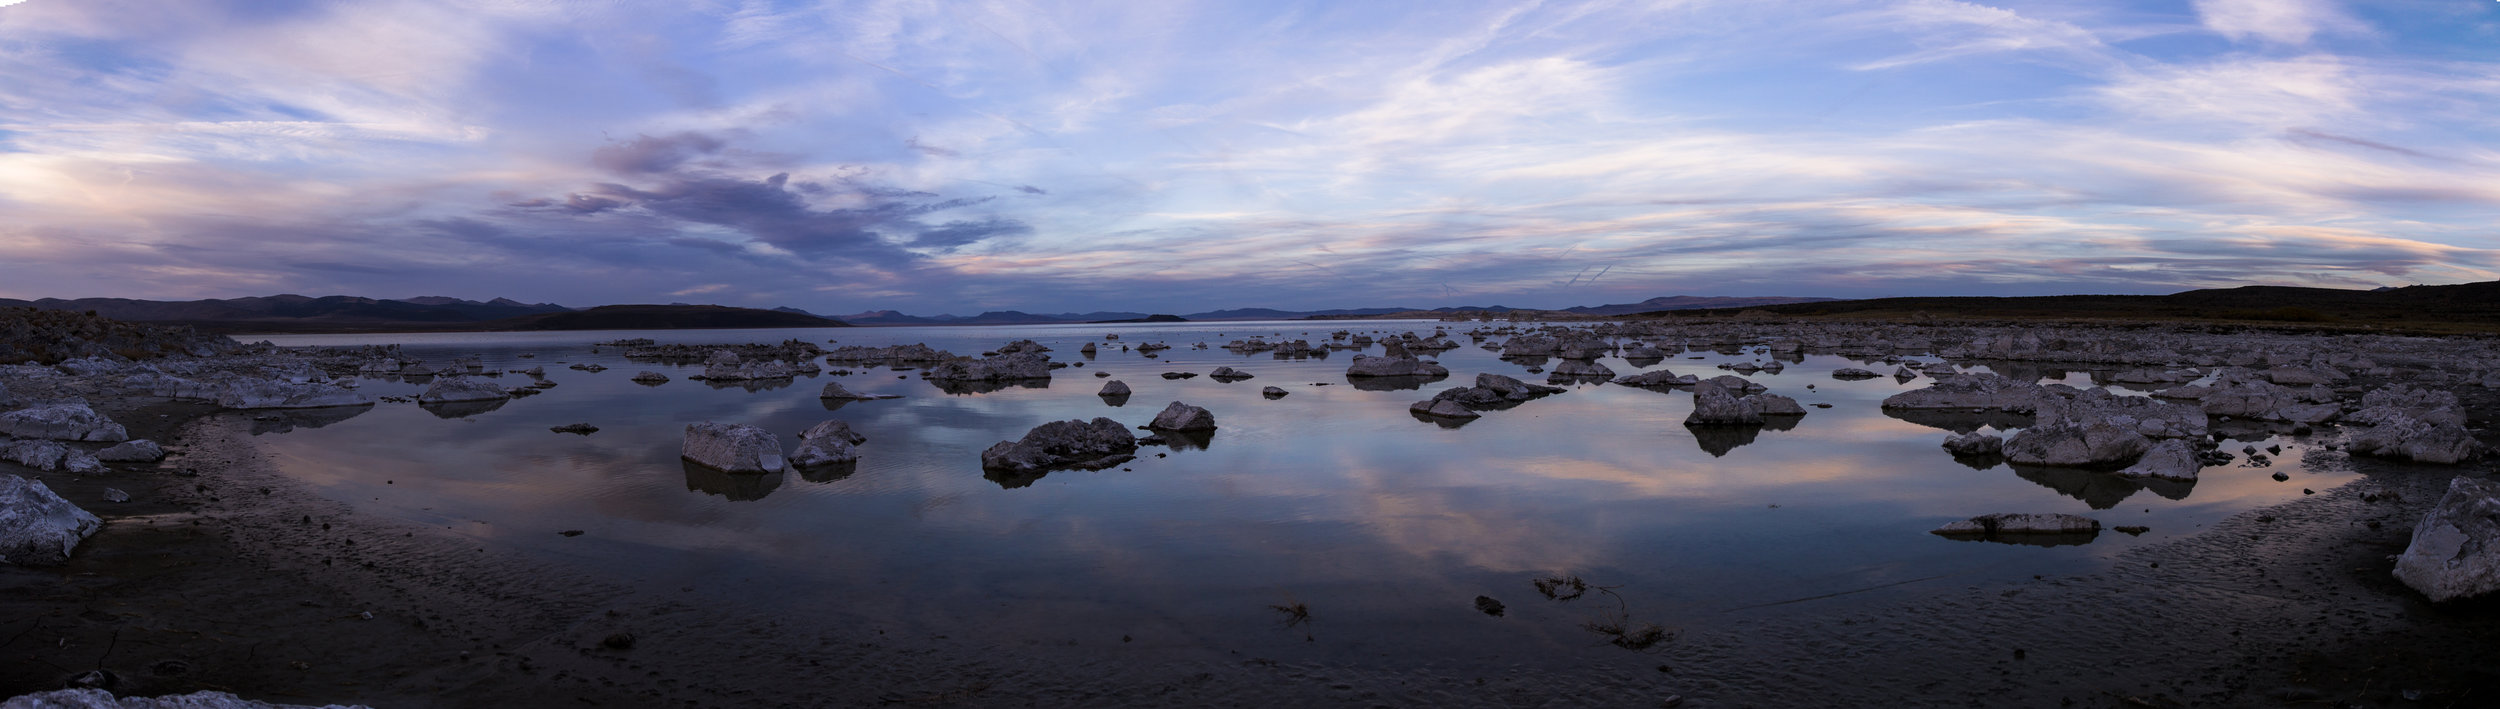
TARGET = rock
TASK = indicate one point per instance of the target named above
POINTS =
(1488, 606)
(1975, 445)
(1273, 393)
(1183, 417)
(101, 699)
(1776, 405)
(2264, 401)
(834, 390)
(1737, 385)
(2009, 524)
(2171, 459)
(1903, 374)
(833, 429)
(1017, 366)
(2401, 436)
(1114, 387)
(115, 495)
(575, 428)
(650, 377)
(1660, 378)
(1971, 391)
(450, 389)
(61, 422)
(40, 455)
(2149, 416)
(1228, 374)
(279, 394)
(1394, 366)
(2456, 547)
(2076, 445)
(38, 527)
(1444, 408)
(827, 443)
(139, 450)
(1853, 373)
(1100, 443)
(1577, 369)
(2396, 401)
(727, 366)
(1714, 406)
(589, 367)
(733, 447)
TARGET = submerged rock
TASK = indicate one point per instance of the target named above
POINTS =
(139, 450)
(37, 526)
(733, 447)
(2455, 551)
(1183, 417)
(1100, 443)
(450, 389)
(61, 422)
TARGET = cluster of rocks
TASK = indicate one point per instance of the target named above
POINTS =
(39, 336)
(726, 365)
(785, 351)
(746, 448)
(915, 353)
(1071, 444)
(1491, 392)
(1006, 367)
(1715, 404)
(1395, 361)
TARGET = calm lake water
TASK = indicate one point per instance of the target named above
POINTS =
(1385, 527)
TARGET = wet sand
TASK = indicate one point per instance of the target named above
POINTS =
(233, 578)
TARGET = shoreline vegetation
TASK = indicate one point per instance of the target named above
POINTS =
(221, 574)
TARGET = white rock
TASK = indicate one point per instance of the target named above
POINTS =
(733, 447)
(2456, 547)
(38, 527)
(280, 394)
(61, 422)
(2171, 459)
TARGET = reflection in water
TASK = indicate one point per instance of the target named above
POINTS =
(1981, 461)
(2063, 539)
(1718, 440)
(1442, 421)
(751, 385)
(1115, 399)
(2100, 489)
(1181, 440)
(462, 409)
(1393, 383)
(738, 487)
(968, 388)
(828, 472)
(286, 420)
(1782, 422)
(1010, 480)
(1961, 420)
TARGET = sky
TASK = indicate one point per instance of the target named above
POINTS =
(1177, 156)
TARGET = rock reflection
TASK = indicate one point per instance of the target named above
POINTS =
(1410, 383)
(2100, 489)
(1180, 440)
(462, 409)
(738, 487)
(967, 388)
(2063, 539)
(1008, 480)
(285, 420)
(1718, 440)
(1447, 422)
(1962, 420)
(828, 472)
(751, 385)
(1115, 399)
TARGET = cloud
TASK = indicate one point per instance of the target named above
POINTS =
(646, 155)
(2291, 22)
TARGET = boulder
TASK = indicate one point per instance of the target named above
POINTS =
(2076, 445)
(1738, 385)
(1114, 387)
(1273, 392)
(1016, 366)
(40, 455)
(827, 443)
(282, 394)
(650, 377)
(139, 450)
(2396, 401)
(1228, 374)
(2171, 459)
(1975, 445)
(1444, 408)
(2456, 547)
(733, 447)
(1391, 366)
(61, 422)
(450, 389)
(1576, 369)
(1714, 406)
(1183, 417)
(1100, 443)
(37, 526)
(2400, 436)
(1660, 378)
(833, 429)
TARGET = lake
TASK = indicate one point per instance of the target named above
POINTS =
(1334, 499)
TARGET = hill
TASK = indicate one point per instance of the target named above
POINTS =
(660, 317)
(297, 313)
(2462, 306)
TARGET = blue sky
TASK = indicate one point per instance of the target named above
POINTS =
(1174, 156)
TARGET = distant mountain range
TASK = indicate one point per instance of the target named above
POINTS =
(339, 313)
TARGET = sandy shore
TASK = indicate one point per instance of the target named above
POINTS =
(222, 574)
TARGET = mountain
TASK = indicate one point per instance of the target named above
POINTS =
(660, 317)
(2471, 305)
(1689, 302)
(502, 303)
(289, 312)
